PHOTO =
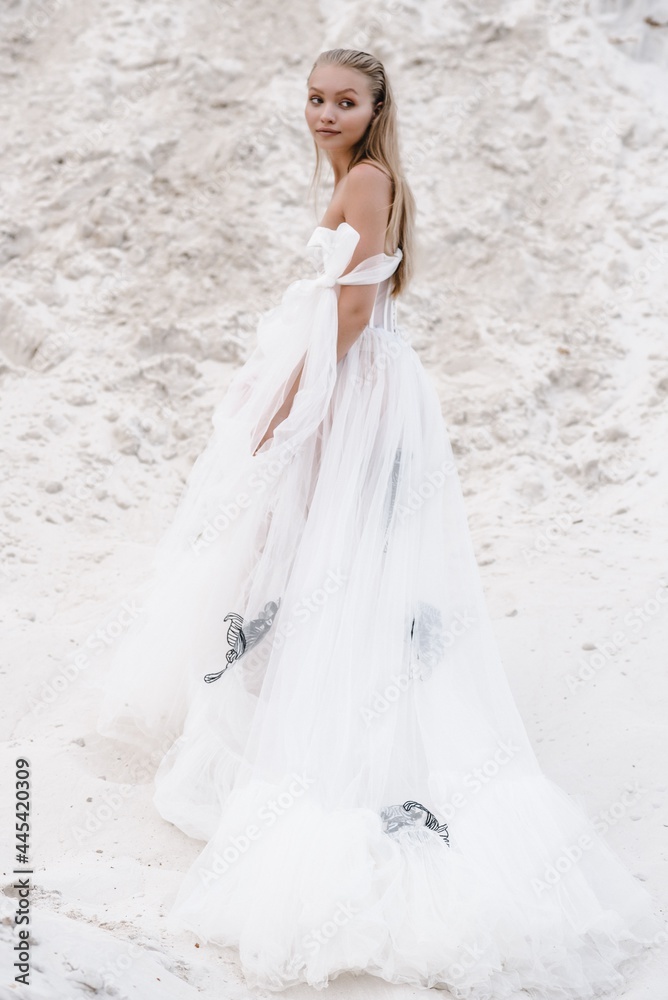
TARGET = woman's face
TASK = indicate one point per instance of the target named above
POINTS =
(339, 101)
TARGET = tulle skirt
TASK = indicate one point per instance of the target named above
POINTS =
(316, 649)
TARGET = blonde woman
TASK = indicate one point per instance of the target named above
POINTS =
(317, 651)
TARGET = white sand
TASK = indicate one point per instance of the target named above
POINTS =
(154, 168)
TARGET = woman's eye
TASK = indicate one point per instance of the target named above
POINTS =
(344, 101)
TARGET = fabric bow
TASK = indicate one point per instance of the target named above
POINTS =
(338, 255)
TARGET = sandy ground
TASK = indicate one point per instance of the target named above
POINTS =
(154, 169)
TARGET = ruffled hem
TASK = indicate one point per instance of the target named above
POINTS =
(307, 892)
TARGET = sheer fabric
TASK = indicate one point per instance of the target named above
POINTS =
(345, 742)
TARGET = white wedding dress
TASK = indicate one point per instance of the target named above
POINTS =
(317, 656)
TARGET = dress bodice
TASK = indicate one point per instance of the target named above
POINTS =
(331, 250)
(384, 313)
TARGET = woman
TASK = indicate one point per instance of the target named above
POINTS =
(317, 651)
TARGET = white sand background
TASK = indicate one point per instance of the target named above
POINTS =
(154, 164)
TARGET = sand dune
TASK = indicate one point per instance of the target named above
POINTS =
(155, 166)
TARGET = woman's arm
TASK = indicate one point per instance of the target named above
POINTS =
(283, 410)
(366, 207)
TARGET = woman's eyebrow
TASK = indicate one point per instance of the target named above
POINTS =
(351, 89)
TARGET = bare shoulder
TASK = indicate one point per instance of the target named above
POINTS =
(367, 178)
(367, 199)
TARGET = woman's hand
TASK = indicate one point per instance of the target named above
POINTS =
(282, 412)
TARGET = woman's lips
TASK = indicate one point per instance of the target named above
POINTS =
(327, 131)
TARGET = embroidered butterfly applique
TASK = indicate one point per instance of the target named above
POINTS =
(412, 814)
(240, 640)
(427, 636)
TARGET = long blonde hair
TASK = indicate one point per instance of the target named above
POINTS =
(380, 145)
